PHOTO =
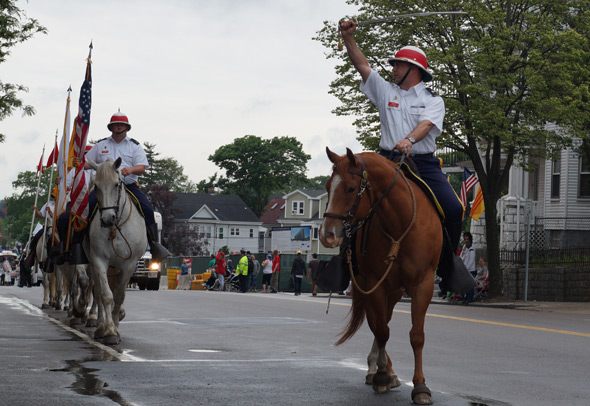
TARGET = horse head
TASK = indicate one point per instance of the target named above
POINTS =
(345, 189)
(108, 187)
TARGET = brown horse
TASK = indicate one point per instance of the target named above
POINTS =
(397, 246)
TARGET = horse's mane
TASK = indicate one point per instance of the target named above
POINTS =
(106, 172)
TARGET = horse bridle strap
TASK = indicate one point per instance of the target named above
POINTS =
(116, 206)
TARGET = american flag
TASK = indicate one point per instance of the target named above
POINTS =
(469, 180)
(79, 193)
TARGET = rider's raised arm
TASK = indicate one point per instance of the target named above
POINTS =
(356, 56)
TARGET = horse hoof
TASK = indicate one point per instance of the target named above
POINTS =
(394, 381)
(75, 322)
(91, 323)
(380, 388)
(98, 333)
(58, 307)
(369, 379)
(44, 306)
(66, 308)
(421, 395)
(112, 340)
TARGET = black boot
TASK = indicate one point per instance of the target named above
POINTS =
(159, 252)
(455, 276)
(78, 256)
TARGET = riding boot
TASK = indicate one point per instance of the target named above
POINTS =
(78, 255)
(159, 252)
(30, 259)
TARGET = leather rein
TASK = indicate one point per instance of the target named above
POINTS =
(118, 212)
(351, 228)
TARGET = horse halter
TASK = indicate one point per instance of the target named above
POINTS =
(116, 206)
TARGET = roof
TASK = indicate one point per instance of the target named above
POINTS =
(273, 210)
(312, 194)
(220, 207)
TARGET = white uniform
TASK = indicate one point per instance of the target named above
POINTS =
(129, 150)
(400, 111)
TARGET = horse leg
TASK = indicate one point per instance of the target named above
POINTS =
(119, 298)
(46, 290)
(111, 336)
(421, 295)
(92, 320)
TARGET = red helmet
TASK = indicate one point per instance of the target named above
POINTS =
(415, 56)
(119, 118)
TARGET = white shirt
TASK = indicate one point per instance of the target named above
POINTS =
(129, 150)
(468, 257)
(400, 111)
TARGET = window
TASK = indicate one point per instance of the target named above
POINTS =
(234, 231)
(251, 233)
(220, 233)
(584, 189)
(298, 207)
(555, 178)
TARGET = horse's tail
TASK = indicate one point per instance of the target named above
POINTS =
(357, 317)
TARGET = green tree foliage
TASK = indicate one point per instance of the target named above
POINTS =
(255, 168)
(19, 206)
(514, 75)
(165, 171)
(15, 28)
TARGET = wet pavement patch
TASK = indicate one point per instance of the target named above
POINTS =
(88, 384)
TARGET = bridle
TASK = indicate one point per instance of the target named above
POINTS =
(350, 228)
(116, 206)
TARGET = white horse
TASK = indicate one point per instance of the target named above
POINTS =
(116, 240)
(52, 282)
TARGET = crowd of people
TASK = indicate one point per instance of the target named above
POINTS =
(248, 269)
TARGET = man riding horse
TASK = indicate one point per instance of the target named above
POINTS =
(134, 163)
(411, 118)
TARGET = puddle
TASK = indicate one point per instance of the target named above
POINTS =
(88, 384)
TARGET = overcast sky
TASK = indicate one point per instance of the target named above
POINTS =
(191, 75)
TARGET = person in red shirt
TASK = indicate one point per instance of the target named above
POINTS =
(220, 265)
(276, 267)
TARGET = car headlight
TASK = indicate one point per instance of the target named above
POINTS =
(154, 266)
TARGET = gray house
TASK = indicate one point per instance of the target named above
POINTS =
(223, 220)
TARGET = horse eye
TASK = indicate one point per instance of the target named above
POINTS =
(351, 189)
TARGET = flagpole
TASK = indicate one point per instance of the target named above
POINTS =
(39, 173)
(48, 196)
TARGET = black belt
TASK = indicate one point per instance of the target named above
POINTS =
(396, 154)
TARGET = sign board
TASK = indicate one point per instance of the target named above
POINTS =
(291, 239)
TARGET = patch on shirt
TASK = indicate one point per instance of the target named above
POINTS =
(104, 151)
(417, 107)
(393, 104)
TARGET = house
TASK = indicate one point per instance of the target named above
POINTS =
(274, 210)
(224, 220)
(555, 198)
(299, 227)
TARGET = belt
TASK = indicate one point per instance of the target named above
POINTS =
(395, 154)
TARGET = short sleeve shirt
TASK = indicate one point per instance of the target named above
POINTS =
(129, 150)
(400, 111)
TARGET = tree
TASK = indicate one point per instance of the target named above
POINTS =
(513, 75)
(255, 168)
(14, 29)
(166, 171)
(19, 205)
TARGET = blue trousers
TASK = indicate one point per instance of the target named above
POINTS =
(431, 174)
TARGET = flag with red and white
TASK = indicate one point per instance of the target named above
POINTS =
(53, 156)
(79, 193)
(40, 166)
(469, 180)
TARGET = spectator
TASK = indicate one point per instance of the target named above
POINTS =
(297, 273)
(253, 276)
(313, 267)
(276, 268)
(220, 268)
(242, 272)
(266, 273)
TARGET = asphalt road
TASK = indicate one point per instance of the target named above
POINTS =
(217, 348)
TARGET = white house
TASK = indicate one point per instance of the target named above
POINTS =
(224, 220)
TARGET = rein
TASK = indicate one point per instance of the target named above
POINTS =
(118, 225)
(350, 230)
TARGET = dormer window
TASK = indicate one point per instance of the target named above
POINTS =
(298, 208)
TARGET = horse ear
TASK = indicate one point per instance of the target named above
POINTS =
(331, 155)
(117, 163)
(92, 164)
(350, 156)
